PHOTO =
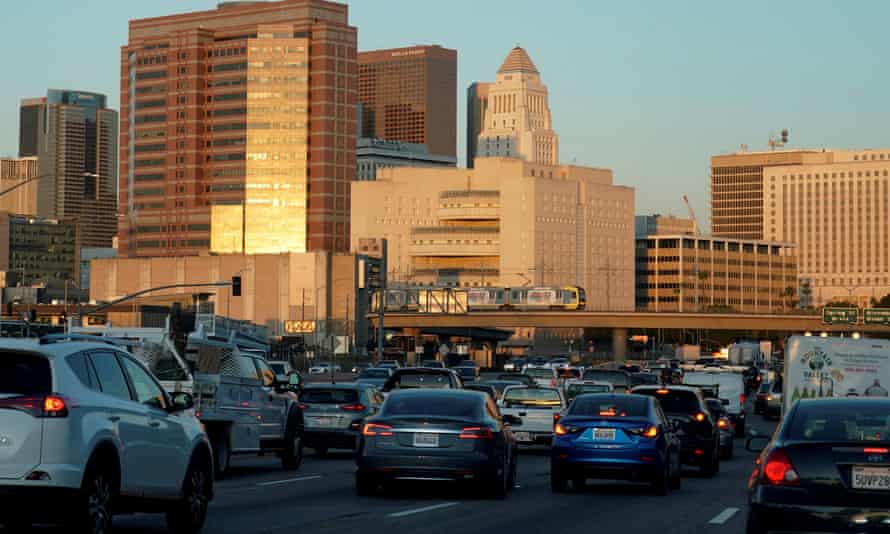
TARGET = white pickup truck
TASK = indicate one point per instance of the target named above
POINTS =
(538, 408)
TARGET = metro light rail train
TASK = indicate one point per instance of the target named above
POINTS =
(461, 300)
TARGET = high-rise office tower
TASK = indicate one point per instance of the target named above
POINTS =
(238, 130)
(517, 121)
(477, 103)
(410, 95)
(18, 176)
(74, 136)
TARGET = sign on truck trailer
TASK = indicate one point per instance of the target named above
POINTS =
(818, 367)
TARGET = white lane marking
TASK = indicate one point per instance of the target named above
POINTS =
(298, 479)
(724, 516)
(424, 509)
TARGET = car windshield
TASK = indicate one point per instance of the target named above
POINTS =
(580, 389)
(374, 373)
(539, 373)
(24, 374)
(432, 365)
(613, 377)
(610, 406)
(675, 401)
(328, 396)
(501, 385)
(278, 367)
(532, 397)
(765, 387)
(841, 421)
(464, 406)
(569, 373)
(388, 363)
(422, 380)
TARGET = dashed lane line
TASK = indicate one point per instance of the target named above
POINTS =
(724, 516)
(288, 481)
(424, 509)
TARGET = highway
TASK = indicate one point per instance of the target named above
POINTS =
(260, 498)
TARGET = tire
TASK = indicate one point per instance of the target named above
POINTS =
(97, 494)
(292, 456)
(754, 524)
(740, 430)
(558, 483)
(321, 452)
(499, 485)
(189, 515)
(222, 454)
(712, 465)
(662, 483)
(677, 473)
(365, 485)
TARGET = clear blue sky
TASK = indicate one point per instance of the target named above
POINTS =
(650, 89)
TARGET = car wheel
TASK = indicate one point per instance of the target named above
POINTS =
(500, 482)
(740, 429)
(188, 515)
(558, 483)
(292, 457)
(321, 451)
(662, 482)
(97, 492)
(754, 523)
(677, 473)
(365, 485)
(222, 454)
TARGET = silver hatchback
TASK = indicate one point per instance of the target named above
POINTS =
(333, 414)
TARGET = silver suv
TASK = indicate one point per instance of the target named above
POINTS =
(86, 422)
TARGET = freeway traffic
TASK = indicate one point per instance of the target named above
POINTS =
(258, 497)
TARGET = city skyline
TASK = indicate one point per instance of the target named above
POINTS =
(734, 90)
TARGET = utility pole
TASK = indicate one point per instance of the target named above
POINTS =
(381, 301)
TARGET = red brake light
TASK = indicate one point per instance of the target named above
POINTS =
(359, 407)
(560, 430)
(376, 429)
(742, 399)
(662, 391)
(48, 406)
(54, 406)
(556, 417)
(608, 413)
(699, 417)
(476, 432)
(778, 469)
(876, 450)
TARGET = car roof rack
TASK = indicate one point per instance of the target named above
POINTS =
(61, 338)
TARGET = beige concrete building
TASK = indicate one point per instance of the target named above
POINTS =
(687, 273)
(22, 200)
(835, 206)
(516, 121)
(506, 222)
(647, 225)
(320, 287)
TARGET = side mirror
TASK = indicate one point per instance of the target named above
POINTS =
(511, 420)
(181, 401)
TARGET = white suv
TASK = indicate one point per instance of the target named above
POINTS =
(87, 422)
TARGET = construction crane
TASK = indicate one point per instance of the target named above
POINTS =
(691, 215)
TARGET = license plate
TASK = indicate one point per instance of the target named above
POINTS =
(871, 478)
(524, 437)
(320, 422)
(425, 439)
(604, 434)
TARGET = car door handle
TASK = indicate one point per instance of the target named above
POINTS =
(154, 424)
(114, 419)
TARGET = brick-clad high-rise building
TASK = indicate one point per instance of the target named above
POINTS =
(238, 130)
(410, 95)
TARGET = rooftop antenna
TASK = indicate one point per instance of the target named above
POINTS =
(779, 142)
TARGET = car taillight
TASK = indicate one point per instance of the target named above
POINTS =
(700, 417)
(556, 417)
(45, 406)
(646, 432)
(742, 399)
(722, 423)
(876, 450)
(353, 407)
(476, 432)
(302, 406)
(778, 470)
(376, 429)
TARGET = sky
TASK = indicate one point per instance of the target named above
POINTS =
(650, 89)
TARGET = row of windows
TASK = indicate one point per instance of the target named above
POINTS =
(143, 119)
(151, 75)
(149, 162)
(225, 67)
(149, 177)
(173, 228)
(149, 243)
(228, 82)
(151, 148)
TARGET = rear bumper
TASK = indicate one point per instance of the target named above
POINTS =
(614, 468)
(536, 437)
(410, 467)
(820, 519)
(30, 501)
(331, 439)
(696, 451)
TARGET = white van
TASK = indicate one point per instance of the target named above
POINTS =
(731, 392)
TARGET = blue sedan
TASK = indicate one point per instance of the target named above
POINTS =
(616, 437)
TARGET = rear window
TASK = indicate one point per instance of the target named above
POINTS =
(462, 406)
(539, 373)
(532, 397)
(580, 389)
(844, 421)
(675, 401)
(375, 373)
(423, 380)
(329, 396)
(607, 376)
(24, 374)
(569, 373)
(765, 387)
(610, 406)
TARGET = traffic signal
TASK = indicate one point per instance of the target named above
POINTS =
(236, 286)
(785, 136)
(32, 316)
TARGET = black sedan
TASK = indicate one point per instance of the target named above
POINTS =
(438, 435)
(826, 469)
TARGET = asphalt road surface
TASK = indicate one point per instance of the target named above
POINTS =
(261, 498)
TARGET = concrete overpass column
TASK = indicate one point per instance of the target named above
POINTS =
(619, 344)
(418, 344)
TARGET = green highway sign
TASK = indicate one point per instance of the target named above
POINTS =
(840, 315)
(877, 316)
